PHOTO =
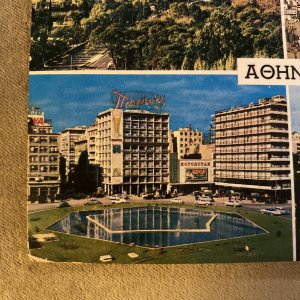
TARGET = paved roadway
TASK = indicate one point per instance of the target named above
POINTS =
(187, 199)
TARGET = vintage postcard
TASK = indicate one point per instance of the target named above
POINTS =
(143, 144)
(156, 168)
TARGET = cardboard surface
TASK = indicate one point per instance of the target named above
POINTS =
(24, 278)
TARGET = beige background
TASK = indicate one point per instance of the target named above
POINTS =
(23, 278)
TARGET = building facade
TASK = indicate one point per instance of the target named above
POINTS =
(43, 158)
(80, 146)
(132, 149)
(296, 150)
(252, 147)
(187, 141)
(67, 139)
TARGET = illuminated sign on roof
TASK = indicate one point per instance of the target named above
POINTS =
(138, 100)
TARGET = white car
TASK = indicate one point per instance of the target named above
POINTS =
(203, 202)
(283, 211)
(92, 201)
(270, 211)
(118, 201)
(113, 197)
(177, 201)
(234, 203)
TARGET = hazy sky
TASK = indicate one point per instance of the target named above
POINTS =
(71, 100)
(295, 107)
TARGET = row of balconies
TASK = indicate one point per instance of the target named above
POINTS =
(151, 159)
(142, 158)
(146, 180)
(221, 135)
(158, 128)
(43, 170)
(157, 166)
(253, 130)
(225, 158)
(149, 119)
(253, 122)
(147, 150)
(224, 150)
(279, 108)
(252, 168)
(251, 175)
(140, 173)
(145, 134)
(43, 151)
(41, 140)
(146, 140)
(243, 141)
(53, 162)
(261, 177)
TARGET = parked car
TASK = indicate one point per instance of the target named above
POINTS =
(283, 210)
(147, 196)
(64, 204)
(177, 201)
(196, 193)
(92, 201)
(203, 202)
(113, 197)
(234, 203)
(118, 201)
(270, 211)
(166, 196)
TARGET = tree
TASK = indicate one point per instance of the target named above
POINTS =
(220, 36)
(199, 64)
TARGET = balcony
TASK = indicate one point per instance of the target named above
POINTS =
(279, 149)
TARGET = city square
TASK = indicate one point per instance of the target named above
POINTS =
(149, 174)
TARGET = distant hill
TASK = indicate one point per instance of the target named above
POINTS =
(270, 5)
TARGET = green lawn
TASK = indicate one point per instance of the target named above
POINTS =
(273, 246)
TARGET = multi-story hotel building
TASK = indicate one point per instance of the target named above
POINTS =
(252, 147)
(67, 140)
(131, 147)
(43, 167)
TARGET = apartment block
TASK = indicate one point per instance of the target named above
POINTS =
(43, 158)
(67, 140)
(80, 146)
(252, 147)
(187, 141)
(131, 147)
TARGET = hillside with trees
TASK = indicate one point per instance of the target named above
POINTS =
(156, 34)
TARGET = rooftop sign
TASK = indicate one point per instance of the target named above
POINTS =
(138, 100)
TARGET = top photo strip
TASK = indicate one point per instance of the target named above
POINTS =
(152, 34)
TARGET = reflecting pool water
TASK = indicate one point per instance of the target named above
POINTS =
(156, 226)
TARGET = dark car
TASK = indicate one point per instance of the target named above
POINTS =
(64, 204)
(147, 196)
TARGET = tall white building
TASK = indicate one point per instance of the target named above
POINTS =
(131, 147)
(252, 147)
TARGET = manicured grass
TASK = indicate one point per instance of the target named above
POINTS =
(273, 246)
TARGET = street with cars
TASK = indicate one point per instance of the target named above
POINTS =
(282, 210)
